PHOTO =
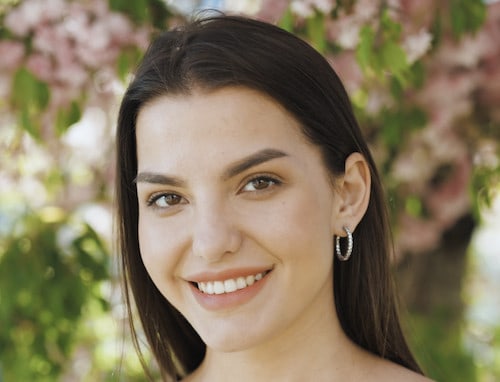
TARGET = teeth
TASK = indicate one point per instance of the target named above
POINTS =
(230, 285)
(218, 287)
(241, 283)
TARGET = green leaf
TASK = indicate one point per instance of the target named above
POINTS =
(286, 21)
(29, 97)
(127, 62)
(364, 51)
(394, 57)
(413, 206)
(67, 117)
(316, 31)
(28, 124)
(28, 90)
(466, 16)
(137, 10)
(390, 28)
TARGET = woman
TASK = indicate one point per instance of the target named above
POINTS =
(253, 230)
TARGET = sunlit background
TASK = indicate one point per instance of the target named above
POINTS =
(424, 79)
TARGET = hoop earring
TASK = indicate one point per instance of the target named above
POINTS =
(348, 252)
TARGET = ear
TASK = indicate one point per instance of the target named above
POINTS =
(353, 191)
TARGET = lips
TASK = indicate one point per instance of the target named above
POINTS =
(230, 285)
(228, 289)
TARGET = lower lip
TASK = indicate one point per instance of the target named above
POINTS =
(228, 300)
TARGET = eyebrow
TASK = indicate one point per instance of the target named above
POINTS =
(156, 178)
(238, 167)
(252, 161)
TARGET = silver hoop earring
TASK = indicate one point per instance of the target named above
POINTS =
(348, 252)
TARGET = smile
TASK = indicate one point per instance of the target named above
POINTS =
(230, 285)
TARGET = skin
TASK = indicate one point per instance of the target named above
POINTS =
(212, 199)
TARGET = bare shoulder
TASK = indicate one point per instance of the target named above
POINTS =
(390, 371)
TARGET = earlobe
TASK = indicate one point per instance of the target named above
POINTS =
(354, 194)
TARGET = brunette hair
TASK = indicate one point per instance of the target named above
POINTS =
(220, 51)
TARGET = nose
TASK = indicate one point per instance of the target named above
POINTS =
(214, 234)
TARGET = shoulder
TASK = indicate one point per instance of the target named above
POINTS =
(389, 371)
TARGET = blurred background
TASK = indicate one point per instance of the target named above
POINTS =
(424, 79)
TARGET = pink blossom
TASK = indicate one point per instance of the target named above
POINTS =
(377, 99)
(75, 25)
(73, 75)
(445, 89)
(486, 154)
(5, 86)
(41, 66)
(442, 141)
(416, 235)
(119, 28)
(302, 8)
(307, 8)
(11, 54)
(417, 12)
(347, 68)
(53, 9)
(348, 32)
(94, 50)
(272, 10)
(366, 10)
(450, 200)
(417, 45)
(22, 19)
(466, 53)
(414, 165)
(324, 6)
(49, 40)
(141, 38)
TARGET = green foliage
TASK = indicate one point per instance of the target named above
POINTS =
(66, 117)
(316, 31)
(286, 22)
(45, 284)
(398, 124)
(466, 16)
(380, 52)
(484, 187)
(446, 359)
(152, 12)
(126, 62)
(30, 96)
(137, 10)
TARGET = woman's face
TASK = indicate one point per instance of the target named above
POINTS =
(236, 215)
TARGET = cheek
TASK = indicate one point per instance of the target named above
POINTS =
(157, 251)
(301, 227)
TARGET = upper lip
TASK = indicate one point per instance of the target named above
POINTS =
(226, 274)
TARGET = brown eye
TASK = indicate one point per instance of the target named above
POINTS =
(164, 200)
(260, 183)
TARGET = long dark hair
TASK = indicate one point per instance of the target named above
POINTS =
(221, 51)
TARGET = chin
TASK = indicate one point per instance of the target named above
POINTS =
(230, 341)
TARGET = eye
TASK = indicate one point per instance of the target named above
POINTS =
(164, 200)
(260, 183)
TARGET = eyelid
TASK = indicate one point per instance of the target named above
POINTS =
(152, 198)
(272, 177)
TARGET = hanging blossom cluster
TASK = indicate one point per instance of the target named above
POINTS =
(73, 49)
(433, 165)
(72, 46)
(461, 98)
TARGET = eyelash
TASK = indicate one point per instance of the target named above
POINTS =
(271, 180)
(151, 202)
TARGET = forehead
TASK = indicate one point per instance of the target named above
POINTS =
(235, 120)
(225, 107)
